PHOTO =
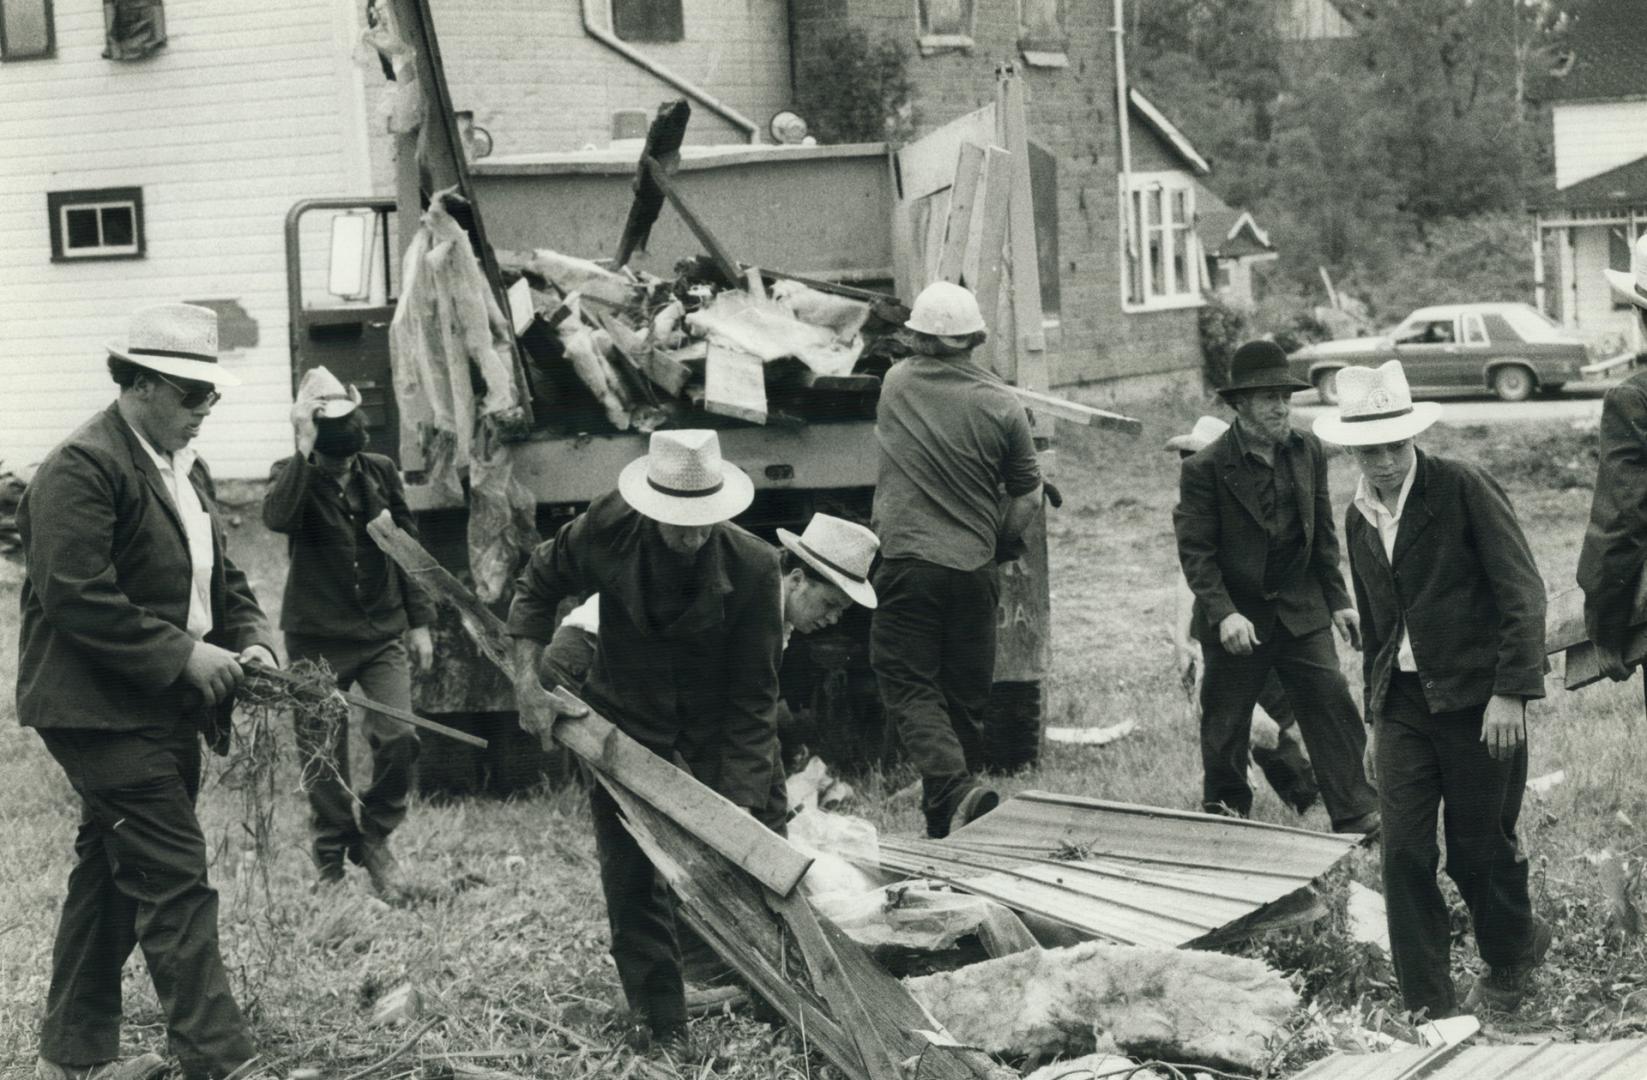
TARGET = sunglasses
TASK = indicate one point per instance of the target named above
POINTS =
(192, 399)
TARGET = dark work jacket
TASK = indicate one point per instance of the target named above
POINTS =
(1615, 544)
(1464, 585)
(1223, 543)
(340, 584)
(707, 685)
(105, 601)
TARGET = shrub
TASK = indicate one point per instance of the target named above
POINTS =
(1223, 329)
(853, 89)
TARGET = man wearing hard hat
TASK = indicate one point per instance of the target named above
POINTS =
(348, 604)
(958, 482)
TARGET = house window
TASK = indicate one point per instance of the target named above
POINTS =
(1043, 195)
(26, 29)
(1618, 258)
(102, 224)
(945, 24)
(132, 29)
(1041, 35)
(655, 21)
(1160, 255)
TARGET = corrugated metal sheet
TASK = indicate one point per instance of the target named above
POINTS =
(1139, 875)
(1625, 1060)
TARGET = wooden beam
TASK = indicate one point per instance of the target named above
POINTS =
(712, 246)
(663, 144)
(734, 383)
(1076, 412)
(670, 375)
(1026, 265)
(411, 719)
(992, 241)
(958, 231)
(487, 630)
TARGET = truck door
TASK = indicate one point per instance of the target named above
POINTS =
(341, 283)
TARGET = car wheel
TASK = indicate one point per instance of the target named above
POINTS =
(1326, 387)
(1512, 383)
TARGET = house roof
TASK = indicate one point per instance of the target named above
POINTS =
(1157, 122)
(1224, 232)
(1608, 41)
(1617, 188)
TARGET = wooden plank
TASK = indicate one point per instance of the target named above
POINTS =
(927, 165)
(1075, 411)
(867, 295)
(663, 144)
(829, 978)
(753, 284)
(1026, 266)
(712, 246)
(670, 375)
(734, 383)
(1564, 617)
(992, 241)
(487, 630)
(958, 231)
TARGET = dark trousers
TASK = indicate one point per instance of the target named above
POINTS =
(1287, 767)
(383, 672)
(1427, 761)
(1327, 717)
(139, 880)
(932, 645)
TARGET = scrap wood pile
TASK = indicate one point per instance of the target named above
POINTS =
(805, 924)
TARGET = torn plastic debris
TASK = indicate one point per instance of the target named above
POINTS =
(769, 330)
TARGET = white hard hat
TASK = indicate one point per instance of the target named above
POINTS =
(945, 309)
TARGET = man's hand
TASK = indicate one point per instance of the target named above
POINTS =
(1369, 757)
(213, 672)
(303, 423)
(1612, 663)
(1348, 624)
(1237, 634)
(422, 647)
(253, 655)
(1504, 728)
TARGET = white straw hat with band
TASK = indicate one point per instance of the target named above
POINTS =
(179, 340)
(683, 480)
(1375, 406)
(840, 550)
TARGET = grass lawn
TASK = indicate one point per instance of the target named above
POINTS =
(512, 952)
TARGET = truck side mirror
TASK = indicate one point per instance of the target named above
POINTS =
(349, 272)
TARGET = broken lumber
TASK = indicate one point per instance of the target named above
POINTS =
(1173, 1003)
(734, 383)
(1065, 409)
(723, 261)
(414, 560)
(1564, 629)
(663, 144)
(258, 671)
(969, 166)
(669, 375)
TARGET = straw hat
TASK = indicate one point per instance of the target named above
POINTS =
(1206, 429)
(321, 388)
(1632, 286)
(1375, 406)
(683, 481)
(179, 340)
(840, 550)
(1261, 365)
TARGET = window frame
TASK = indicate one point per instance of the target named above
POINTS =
(677, 24)
(1180, 249)
(50, 50)
(58, 203)
(1043, 50)
(935, 41)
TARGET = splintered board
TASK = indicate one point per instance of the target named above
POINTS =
(734, 384)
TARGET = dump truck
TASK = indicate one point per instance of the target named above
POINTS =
(860, 219)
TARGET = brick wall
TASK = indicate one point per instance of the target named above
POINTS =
(1071, 111)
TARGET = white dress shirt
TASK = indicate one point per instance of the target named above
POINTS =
(1380, 517)
(197, 526)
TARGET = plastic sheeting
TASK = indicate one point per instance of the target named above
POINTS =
(769, 330)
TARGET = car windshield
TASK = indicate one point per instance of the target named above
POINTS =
(1531, 324)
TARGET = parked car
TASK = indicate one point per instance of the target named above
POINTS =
(1510, 349)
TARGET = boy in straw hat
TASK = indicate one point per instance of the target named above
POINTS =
(1452, 615)
(351, 606)
(1284, 763)
(1258, 548)
(1615, 544)
(691, 638)
(136, 626)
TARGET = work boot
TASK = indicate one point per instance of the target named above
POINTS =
(138, 1068)
(381, 867)
(1503, 986)
(974, 804)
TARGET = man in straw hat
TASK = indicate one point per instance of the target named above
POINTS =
(351, 606)
(1258, 548)
(136, 626)
(1284, 763)
(1452, 610)
(691, 636)
(958, 482)
(1615, 544)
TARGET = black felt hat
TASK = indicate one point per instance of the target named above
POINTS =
(1261, 365)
